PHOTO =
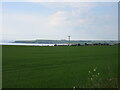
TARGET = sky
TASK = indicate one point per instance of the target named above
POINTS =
(57, 20)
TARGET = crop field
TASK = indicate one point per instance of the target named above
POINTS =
(59, 67)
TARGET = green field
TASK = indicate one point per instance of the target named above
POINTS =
(59, 67)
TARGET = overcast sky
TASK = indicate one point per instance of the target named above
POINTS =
(38, 20)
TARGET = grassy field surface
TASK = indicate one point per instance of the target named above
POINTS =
(59, 67)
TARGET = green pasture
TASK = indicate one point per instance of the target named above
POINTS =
(59, 67)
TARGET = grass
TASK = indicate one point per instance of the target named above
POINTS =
(57, 67)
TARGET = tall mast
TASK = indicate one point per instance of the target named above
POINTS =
(69, 40)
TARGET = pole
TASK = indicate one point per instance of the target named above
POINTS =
(69, 40)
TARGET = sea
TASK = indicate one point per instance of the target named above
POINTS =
(26, 44)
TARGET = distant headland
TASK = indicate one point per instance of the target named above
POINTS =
(72, 42)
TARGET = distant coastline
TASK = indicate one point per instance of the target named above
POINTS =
(60, 42)
(82, 42)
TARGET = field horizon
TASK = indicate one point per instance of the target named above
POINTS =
(59, 67)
